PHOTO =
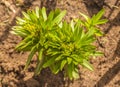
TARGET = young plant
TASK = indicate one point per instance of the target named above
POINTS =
(60, 45)
(34, 28)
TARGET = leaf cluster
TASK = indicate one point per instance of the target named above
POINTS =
(60, 45)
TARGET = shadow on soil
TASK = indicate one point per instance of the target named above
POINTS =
(112, 72)
(49, 4)
(45, 79)
(114, 22)
(94, 7)
(8, 27)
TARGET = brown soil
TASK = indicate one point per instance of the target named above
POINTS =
(106, 68)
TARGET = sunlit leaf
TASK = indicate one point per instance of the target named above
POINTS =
(37, 12)
(59, 18)
(87, 65)
(44, 13)
(33, 51)
(63, 64)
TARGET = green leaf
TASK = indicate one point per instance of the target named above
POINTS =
(49, 62)
(23, 42)
(25, 45)
(56, 12)
(97, 53)
(69, 60)
(20, 20)
(60, 25)
(98, 15)
(77, 33)
(33, 51)
(72, 25)
(88, 38)
(50, 18)
(59, 57)
(58, 19)
(85, 16)
(20, 32)
(102, 21)
(26, 15)
(33, 16)
(76, 58)
(44, 13)
(98, 32)
(55, 67)
(63, 64)
(40, 54)
(87, 65)
(75, 74)
(39, 66)
(70, 68)
(37, 12)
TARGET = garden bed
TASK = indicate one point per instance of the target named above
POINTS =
(106, 68)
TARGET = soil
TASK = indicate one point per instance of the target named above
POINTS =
(106, 68)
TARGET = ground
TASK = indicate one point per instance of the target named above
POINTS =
(106, 68)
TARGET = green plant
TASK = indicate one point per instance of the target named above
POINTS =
(59, 44)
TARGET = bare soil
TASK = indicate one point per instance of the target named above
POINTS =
(106, 68)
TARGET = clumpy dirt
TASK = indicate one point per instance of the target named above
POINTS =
(106, 68)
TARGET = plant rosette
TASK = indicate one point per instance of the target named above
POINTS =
(60, 45)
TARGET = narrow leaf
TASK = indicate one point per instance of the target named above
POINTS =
(26, 15)
(63, 64)
(69, 60)
(102, 21)
(58, 19)
(49, 62)
(33, 51)
(40, 53)
(75, 74)
(37, 12)
(72, 25)
(85, 16)
(70, 70)
(56, 68)
(39, 66)
(44, 13)
(87, 65)
(99, 14)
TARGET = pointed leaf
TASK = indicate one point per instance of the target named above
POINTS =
(87, 65)
(44, 13)
(49, 62)
(85, 16)
(102, 21)
(40, 53)
(69, 60)
(37, 12)
(72, 25)
(39, 66)
(56, 68)
(70, 70)
(58, 19)
(26, 15)
(33, 51)
(63, 64)
(75, 74)
(99, 15)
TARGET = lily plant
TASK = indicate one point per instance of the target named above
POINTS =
(60, 45)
